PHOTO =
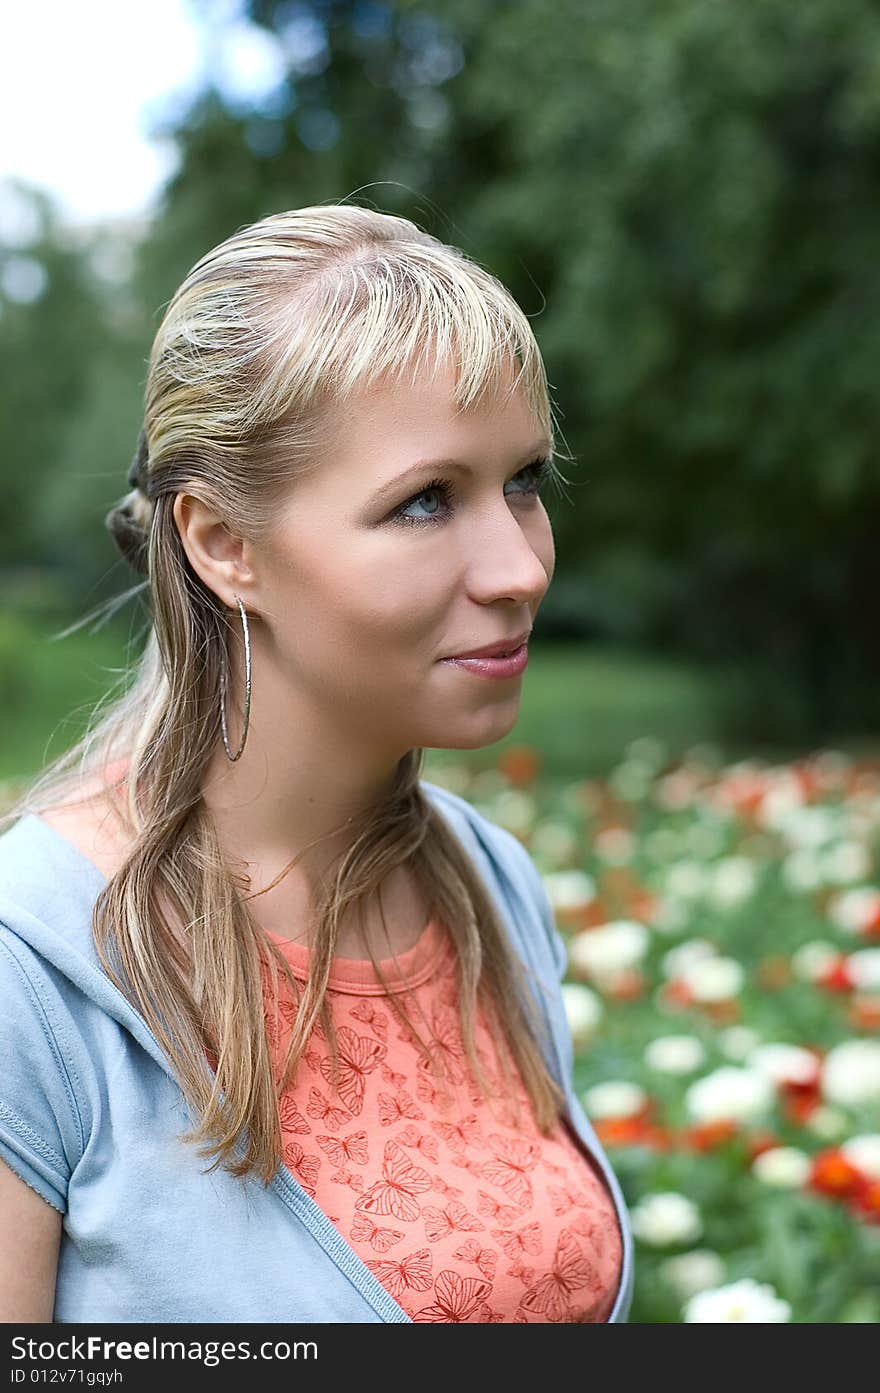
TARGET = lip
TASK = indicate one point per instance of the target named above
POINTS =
(508, 667)
(493, 650)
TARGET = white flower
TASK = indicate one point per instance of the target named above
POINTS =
(864, 1153)
(606, 950)
(691, 1272)
(828, 1123)
(631, 780)
(555, 841)
(812, 960)
(863, 968)
(647, 749)
(693, 951)
(515, 809)
(675, 1054)
(676, 791)
(811, 827)
(851, 1073)
(733, 881)
(785, 1166)
(714, 979)
(737, 1041)
(583, 1009)
(686, 880)
(800, 871)
(738, 1095)
(614, 1099)
(616, 845)
(782, 800)
(783, 1063)
(669, 918)
(569, 889)
(846, 862)
(746, 1300)
(853, 910)
(455, 777)
(665, 1218)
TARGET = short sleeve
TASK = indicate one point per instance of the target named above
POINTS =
(41, 1134)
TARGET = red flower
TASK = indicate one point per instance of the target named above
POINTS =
(832, 1174)
(866, 1201)
(705, 1136)
(520, 765)
(864, 1013)
(836, 977)
(627, 985)
(620, 1131)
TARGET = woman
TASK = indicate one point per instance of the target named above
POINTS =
(286, 1035)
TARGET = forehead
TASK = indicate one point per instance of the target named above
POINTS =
(388, 425)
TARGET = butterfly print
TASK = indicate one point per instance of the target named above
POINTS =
(396, 1080)
(341, 1150)
(487, 1316)
(491, 1209)
(412, 1271)
(467, 1164)
(430, 1094)
(485, 1259)
(508, 1168)
(421, 1141)
(443, 1189)
(350, 1178)
(292, 1119)
(459, 1136)
(525, 1274)
(440, 1222)
(395, 1107)
(447, 1052)
(455, 1298)
(364, 1230)
(358, 1056)
(305, 1167)
(313, 1059)
(515, 1242)
(287, 1010)
(563, 1198)
(551, 1294)
(324, 1111)
(370, 1015)
(396, 1193)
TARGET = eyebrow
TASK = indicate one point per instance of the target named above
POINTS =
(538, 450)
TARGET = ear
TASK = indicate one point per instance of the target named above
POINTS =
(221, 560)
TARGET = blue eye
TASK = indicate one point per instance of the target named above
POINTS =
(536, 473)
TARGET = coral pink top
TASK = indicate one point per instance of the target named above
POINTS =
(460, 1213)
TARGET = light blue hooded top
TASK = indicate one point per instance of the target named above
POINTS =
(90, 1114)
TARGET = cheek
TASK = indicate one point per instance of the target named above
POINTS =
(361, 600)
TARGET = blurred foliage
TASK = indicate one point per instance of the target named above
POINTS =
(683, 200)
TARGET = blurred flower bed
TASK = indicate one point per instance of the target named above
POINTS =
(723, 988)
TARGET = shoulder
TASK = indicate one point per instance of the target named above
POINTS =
(92, 822)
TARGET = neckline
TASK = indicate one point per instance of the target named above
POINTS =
(351, 976)
(357, 976)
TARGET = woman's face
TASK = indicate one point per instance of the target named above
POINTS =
(371, 579)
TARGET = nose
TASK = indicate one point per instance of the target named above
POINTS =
(512, 561)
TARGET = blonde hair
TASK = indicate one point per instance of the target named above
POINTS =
(267, 336)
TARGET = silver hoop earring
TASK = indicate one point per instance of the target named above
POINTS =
(247, 695)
